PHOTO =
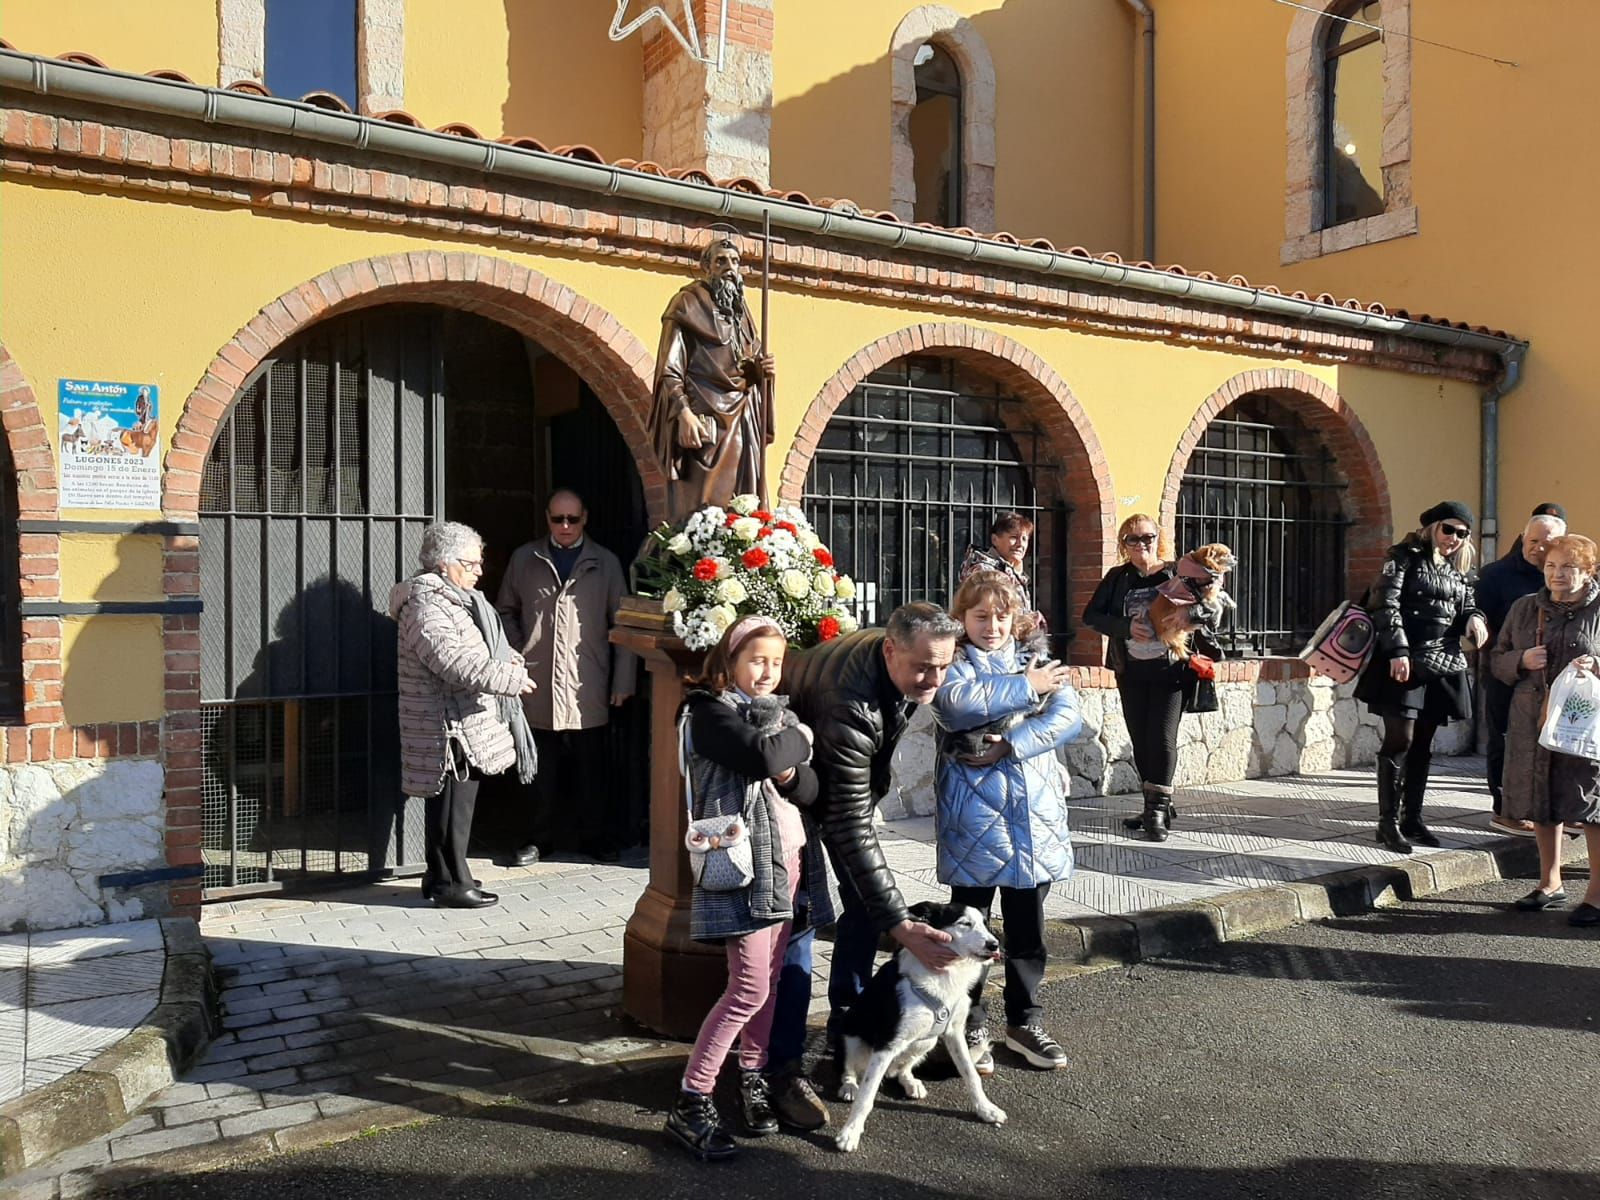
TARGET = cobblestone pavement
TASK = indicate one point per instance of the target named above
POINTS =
(336, 1005)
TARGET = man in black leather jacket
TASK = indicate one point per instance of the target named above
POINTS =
(857, 694)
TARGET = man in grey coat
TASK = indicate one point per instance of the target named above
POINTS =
(558, 600)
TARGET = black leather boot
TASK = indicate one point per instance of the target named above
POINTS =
(1138, 822)
(1389, 805)
(695, 1124)
(1157, 818)
(755, 1103)
(1411, 825)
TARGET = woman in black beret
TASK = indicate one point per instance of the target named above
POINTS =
(1423, 608)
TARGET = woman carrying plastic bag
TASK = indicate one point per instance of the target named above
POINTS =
(1547, 652)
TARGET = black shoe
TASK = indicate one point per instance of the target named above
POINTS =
(1155, 823)
(795, 1102)
(1136, 823)
(428, 886)
(1038, 1047)
(526, 856)
(460, 897)
(603, 852)
(1389, 834)
(755, 1104)
(695, 1124)
(1538, 901)
(1585, 915)
(1413, 828)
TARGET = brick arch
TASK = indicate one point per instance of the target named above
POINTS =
(604, 354)
(1372, 521)
(38, 496)
(1085, 479)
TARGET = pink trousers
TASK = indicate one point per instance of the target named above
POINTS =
(744, 1011)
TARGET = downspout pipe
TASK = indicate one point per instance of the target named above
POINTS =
(306, 122)
(1511, 359)
(1147, 30)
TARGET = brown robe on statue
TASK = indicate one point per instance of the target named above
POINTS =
(698, 367)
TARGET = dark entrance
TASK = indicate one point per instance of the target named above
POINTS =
(340, 451)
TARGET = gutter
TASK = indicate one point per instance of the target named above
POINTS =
(294, 119)
(1147, 28)
(1510, 378)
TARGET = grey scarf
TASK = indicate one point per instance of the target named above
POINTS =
(510, 707)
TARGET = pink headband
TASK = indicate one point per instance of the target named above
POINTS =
(747, 629)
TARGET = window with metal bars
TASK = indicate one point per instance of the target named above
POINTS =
(10, 591)
(1262, 481)
(913, 468)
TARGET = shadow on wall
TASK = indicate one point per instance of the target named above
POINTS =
(593, 94)
(1072, 181)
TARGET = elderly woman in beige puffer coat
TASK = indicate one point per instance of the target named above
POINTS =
(460, 709)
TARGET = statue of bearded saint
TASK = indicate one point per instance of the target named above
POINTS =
(711, 422)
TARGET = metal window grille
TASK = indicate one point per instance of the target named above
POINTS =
(10, 590)
(313, 502)
(913, 468)
(1264, 483)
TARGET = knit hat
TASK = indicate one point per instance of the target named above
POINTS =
(1449, 508)
(1550, 510)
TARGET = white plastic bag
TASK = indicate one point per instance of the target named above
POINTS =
(1572, 720)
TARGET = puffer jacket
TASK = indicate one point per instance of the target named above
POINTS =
(448, 683)
(1003, 825)
(843, 691)
(1420, 607)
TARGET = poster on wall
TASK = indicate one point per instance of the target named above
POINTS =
(109, 433)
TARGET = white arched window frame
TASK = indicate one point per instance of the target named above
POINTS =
(1308, 231)
(380, 49)
(957, 37)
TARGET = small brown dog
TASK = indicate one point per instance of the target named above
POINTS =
(1194, 597)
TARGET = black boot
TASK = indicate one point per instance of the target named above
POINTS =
(696, 1126)
(755, 1102)
(1157, 818)
(1132, 823)
(1415, 786)
(1389, 805)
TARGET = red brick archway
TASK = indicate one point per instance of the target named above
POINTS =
(604, 354)
(1085, 478)
(1372, 523)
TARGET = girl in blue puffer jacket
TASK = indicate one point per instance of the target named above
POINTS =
(1002, 815)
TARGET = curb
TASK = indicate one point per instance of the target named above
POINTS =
(1095, 943)
(100, 1096)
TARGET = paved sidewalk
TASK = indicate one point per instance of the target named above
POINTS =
(337, 1007)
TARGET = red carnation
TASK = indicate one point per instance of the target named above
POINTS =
(755, 558)
(762, 514)
(705, 570)
(732, 517)
(766, 532)
(828, 629)
(790, 526)
(822, 556)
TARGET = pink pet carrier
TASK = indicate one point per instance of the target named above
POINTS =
(1342, 644)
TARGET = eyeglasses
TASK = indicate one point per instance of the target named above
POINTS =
(1455, 531)
(1138, 539)
(471, 564)
(565, 519)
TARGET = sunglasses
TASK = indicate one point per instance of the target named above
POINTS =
(1455, 531)
(1138, 539)
(564, 519)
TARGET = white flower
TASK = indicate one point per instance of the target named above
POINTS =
(746, 528)
(845, 588)
(796, 583)
(822, 583)
(745, 504)
(672, 602)
(680, 544)
(808, 540)
(732, 591)
(847, 623)
(720, 617)
(724, 567)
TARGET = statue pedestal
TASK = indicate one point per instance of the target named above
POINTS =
(669, 982)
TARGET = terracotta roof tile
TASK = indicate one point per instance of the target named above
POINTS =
(584, 153)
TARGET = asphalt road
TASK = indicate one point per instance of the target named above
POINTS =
(1445, 1048)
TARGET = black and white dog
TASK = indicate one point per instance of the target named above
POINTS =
(906, 1010)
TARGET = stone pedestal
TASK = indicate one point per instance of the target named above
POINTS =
(668, 981)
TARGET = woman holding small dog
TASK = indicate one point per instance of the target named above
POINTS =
(1002, 802)
(1152, 678)
(747, 756)
(1422, 609)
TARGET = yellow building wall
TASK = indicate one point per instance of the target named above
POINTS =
(1066, 134)
(1505, 168)
(99, 567)
(113, 669)
(150, 35)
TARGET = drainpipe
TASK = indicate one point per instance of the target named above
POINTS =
(1511, 357)
(1147, 27)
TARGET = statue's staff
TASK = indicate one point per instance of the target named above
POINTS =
(766, 289)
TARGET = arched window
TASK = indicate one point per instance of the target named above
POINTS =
(936, 138)
(1264, 482)
(913, 468)
(1353, 114)
(10, 592)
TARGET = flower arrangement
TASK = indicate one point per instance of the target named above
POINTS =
(727, 563)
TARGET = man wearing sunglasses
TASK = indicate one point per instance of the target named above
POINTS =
(558, 601)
